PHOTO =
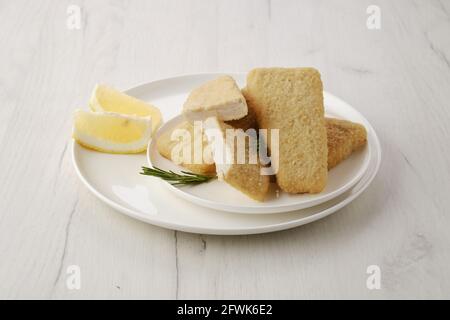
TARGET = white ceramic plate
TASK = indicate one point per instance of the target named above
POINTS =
(115, 180)
(221, 196)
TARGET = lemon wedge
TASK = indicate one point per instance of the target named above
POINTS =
(112, 132)
(108, 99)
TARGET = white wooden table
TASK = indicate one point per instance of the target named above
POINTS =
(398, 77)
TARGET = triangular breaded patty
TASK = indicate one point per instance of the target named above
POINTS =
(344, 137)
(166, 144)
(240, 168)
(220, 97)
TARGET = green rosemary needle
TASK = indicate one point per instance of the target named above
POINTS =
(187, 178)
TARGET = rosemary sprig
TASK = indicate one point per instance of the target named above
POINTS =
(187, 178)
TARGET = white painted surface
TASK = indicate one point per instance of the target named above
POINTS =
(398, 77)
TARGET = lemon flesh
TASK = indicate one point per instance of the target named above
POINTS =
(112, 132)
(108, 99)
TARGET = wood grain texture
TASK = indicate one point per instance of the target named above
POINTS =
(398, 77)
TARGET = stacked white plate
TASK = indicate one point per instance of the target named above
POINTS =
(215, 207)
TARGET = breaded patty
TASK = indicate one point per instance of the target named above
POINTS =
(220, 97)
(244, 176)
(165, 145)
(344, 137)
(291, 100)
(247, 122)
